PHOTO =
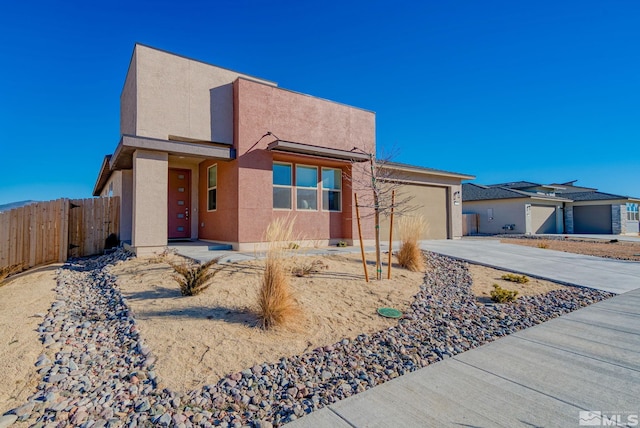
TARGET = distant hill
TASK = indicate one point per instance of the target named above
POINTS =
(7, 207)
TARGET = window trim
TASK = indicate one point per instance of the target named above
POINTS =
(295, 181)
(212, 188)
(322, 188)
(283, 186)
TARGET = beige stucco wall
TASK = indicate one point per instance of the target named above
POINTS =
(182, 97)
(120, 184)
(128, 99)
(508, 211)
(150, 199)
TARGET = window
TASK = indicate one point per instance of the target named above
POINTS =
(212, 187)
(331, 189)
(306, 187)
(282, 186)
(632, 212)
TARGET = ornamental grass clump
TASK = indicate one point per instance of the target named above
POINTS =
(512, 277)
(193, 278)
(276, 304)
(410, 229)
(501, 295)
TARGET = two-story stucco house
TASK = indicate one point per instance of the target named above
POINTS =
(211, 154)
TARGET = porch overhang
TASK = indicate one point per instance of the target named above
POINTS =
(316, 151)
(122, 157)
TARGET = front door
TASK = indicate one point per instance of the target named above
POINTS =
(179, 203)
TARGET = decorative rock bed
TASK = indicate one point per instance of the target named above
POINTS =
(97, 371)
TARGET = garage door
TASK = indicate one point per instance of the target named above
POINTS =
(543, 219)
(428, 201)
(592, 219)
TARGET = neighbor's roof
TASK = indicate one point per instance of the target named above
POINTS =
(516, 185)
(477, 192)
(595, 196)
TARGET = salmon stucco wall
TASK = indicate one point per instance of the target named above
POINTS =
(299, 118)
(220, 224)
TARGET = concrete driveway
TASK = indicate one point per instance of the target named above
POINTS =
(616, 276)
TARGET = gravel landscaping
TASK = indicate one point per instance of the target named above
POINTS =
(96, 370)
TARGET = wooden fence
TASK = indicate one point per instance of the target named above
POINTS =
(470, 224)
(46, 232)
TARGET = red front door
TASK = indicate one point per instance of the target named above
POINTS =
(179, 203)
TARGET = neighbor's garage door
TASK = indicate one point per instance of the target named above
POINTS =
(592, 219)
(543, 219)
(428, 201)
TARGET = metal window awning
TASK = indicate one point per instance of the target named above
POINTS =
(322, 152)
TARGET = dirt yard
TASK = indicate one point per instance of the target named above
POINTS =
(24, 300)
(199, 339)
(622, 250)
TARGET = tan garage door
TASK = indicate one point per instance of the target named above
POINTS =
(543, 219)
(428, 201)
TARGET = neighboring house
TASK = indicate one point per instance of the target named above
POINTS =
(532, 208)
(212, 154)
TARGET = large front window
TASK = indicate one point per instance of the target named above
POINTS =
(306, 187)
(331, 189)
(282, 184)
(212, 188)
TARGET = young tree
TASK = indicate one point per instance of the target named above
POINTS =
(376, 181)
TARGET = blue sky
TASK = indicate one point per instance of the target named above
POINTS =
(542, 91)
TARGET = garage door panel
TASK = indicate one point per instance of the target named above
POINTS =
(543, 219)
(592, 219)
(428, 201)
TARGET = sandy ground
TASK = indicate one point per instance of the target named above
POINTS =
(485, 277)
(199, 339)
(24, 299)
(623, 250)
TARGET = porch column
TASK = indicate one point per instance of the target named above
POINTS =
(150, 199)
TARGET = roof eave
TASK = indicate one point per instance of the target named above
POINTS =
(421, 170)
(103, 176)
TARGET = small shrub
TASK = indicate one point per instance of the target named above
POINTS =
(341, 244)
(543, 245)
(520, 279)
(193, 278)
(501, 295)
(276, 305)
(410, 230)
(309, 268)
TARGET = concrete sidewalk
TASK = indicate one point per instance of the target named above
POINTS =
(616, 276)
(543, 376)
